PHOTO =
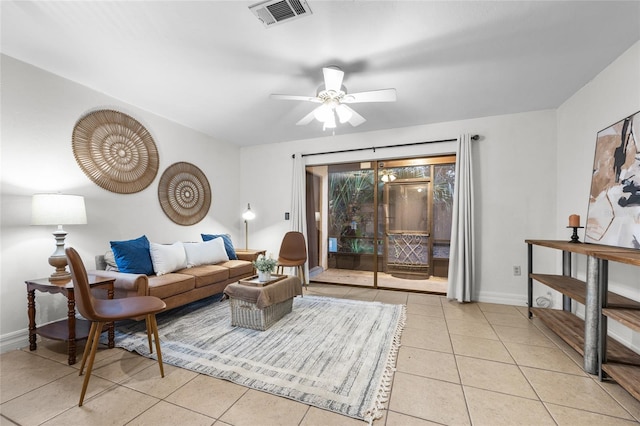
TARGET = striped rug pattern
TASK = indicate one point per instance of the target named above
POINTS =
(335, 354)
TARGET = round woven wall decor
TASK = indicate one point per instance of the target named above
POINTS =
(115, 151)
(184, 193)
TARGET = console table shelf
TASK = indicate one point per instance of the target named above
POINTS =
(572, 287)
(567, 326)
(570, 328)
(587, 337)
(627, 376)
(628, 317)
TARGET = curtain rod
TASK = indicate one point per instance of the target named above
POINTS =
(474, 138)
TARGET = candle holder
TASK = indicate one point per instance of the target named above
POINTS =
(574, 236)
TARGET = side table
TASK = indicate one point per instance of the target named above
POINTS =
(70, 329)
(250, 254)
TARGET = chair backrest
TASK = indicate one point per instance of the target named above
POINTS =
(293, 246)
(82, 291)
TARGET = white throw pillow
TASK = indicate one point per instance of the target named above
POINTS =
(167, 257)
(110, 261)
(206, 253)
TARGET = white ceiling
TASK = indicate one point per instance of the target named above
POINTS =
(211, 65)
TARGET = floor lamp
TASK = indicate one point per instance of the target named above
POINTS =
(247, 216)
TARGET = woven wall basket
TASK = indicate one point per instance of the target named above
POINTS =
(115, 151)
(184, 193)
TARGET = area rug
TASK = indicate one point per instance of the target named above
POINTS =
(335, 354)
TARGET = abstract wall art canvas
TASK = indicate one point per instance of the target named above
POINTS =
(614, 203)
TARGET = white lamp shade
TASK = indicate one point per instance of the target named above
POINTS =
(58, 209)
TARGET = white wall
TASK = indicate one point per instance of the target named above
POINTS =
(613, 95)
(515, 173)
(39, 111)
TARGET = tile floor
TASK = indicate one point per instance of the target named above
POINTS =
(480, 364)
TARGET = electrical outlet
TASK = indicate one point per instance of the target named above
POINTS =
(516, 271)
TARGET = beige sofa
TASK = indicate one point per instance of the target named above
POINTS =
(181, 286)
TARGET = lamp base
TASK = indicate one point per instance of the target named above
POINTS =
(58, 258)
(61, 273)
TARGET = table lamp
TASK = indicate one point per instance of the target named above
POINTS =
(247, 216)
(58, 209)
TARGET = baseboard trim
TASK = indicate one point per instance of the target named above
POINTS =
(14, 340)
(502, 298)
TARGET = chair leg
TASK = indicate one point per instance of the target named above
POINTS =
(87, 347)
(154, 325)
(97, 330)
(302, 276)
(149, 328)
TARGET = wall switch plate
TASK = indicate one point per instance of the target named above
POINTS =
(286, 216)
(516, 271)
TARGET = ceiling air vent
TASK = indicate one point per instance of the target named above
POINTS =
(277, 11)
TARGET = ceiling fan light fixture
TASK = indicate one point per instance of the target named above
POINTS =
(330, 122)
(332, 96)
(344, 113)
(322, 113)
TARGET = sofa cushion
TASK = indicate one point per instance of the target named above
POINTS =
(207, 274)
(238, 267)
(228, 244)
(206, 253)
(132, 256)
(110, 261)
(167, 257)
(163, 286)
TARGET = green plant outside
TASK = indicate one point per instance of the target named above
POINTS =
(351, 202)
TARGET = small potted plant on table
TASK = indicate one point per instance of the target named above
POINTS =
(264, 266)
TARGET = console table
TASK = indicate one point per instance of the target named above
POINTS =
(70, 329)
(589, 337)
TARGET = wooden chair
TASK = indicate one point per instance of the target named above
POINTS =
(101, 312)
(293, 254)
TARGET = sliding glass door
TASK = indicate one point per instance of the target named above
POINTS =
(382, 223)
(351, 222)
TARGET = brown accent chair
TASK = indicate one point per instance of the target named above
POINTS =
(293, 254)
(100, 312)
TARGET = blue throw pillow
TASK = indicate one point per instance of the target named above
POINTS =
(228, 245)
(133, 256)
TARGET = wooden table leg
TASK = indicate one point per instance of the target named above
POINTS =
(111, 332)
(31, 312)
(71, 317)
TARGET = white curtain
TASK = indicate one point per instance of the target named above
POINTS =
(299, 201)
(462, 256)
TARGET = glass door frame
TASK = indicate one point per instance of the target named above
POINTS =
(378, 234)
(427, 181)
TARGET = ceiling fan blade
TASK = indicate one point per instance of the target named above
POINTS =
(295, 98)
(307, 119)
(382, 95)
(333, 78)
(356, 119)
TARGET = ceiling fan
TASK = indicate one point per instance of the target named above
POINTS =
(333, 99)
